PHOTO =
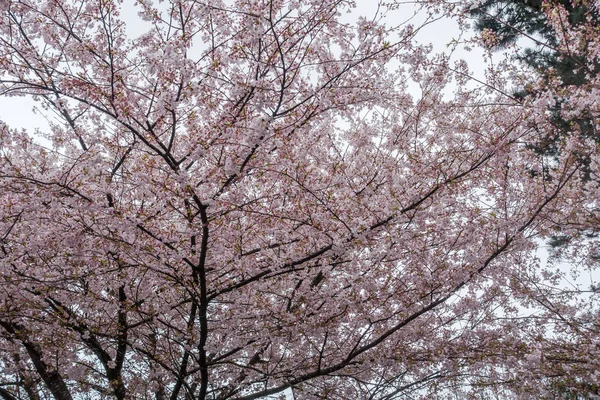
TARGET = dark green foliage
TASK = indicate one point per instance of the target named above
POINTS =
(511, 20)
(556, 241)
(583, 391)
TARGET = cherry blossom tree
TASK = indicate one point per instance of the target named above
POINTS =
(247, 200)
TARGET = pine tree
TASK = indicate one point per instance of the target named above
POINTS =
(511, 20)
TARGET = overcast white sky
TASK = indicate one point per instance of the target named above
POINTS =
(18, 112)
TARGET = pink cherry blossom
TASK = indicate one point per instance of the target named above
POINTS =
(246, 200)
